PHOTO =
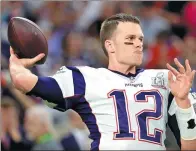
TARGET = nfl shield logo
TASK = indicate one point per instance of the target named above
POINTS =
(132, 79)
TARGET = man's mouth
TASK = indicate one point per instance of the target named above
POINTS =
(138, 52)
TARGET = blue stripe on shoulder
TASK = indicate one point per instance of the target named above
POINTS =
(78, 81)
(82, 107)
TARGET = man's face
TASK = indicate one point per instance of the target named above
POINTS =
(128, 43)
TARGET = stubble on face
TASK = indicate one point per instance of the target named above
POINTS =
(127, 44)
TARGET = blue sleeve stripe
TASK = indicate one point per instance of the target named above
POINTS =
(78, 81)
(83, 108)
(48, 89)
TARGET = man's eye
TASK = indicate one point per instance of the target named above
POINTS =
(130, 38)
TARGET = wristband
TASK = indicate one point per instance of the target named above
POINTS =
(186, 119)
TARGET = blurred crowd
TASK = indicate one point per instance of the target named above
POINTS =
(72, 30)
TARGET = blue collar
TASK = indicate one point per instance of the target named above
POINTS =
(129, 74)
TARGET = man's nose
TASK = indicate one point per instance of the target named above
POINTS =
(138, 43)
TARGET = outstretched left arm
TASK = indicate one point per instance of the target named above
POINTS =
(185, 114)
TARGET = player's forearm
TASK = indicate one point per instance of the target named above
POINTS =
(24, 81)
(183, 103)
(188, 144)
(187, 124)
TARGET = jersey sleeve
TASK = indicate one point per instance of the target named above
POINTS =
(72, 85)
(172, 121)
(70, 81)
(62, 90)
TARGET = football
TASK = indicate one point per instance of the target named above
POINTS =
(27, 39)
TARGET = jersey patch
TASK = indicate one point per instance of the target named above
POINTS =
(158, 81)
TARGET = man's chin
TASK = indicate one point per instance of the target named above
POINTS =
(138, 64)
(135, 64)
(131, 63)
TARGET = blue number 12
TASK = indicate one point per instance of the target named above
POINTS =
(123, 120)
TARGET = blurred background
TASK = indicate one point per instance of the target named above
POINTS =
(72, 30)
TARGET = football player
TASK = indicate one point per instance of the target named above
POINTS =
(123, 106)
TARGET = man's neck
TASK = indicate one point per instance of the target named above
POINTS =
(125, 69)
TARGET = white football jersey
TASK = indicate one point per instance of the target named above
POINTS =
(122, 112)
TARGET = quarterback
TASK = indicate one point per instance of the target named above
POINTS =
(123, 106)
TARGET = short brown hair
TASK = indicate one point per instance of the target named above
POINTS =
(110, 24)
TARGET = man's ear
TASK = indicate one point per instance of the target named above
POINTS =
(109, 45)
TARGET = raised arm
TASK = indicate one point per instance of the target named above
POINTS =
(184, 110)
(67, 84)
(22, 78)
(45, 87)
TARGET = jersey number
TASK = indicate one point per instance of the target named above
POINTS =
(123, 121)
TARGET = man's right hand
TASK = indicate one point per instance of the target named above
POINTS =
(21, 77)
(24, 62)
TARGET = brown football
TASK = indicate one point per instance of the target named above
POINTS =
(27, 39)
